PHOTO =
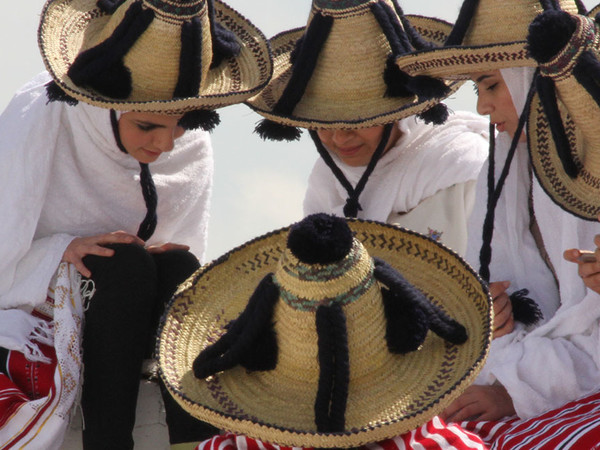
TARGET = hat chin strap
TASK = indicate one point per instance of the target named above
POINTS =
(352, 204)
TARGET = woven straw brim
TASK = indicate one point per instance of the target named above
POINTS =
(388, 395)
(345, 91)
(65, 31)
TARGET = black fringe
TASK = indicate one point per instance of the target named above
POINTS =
(549, 33)
(465, 17)
(206, 119)
(56, 94)
(190, 60)
(320, 239)
(437, 114)
(101, 67)
(334, 364)
(525, 309)
(239, 344)
(267, 129)
(547, 94)
(224, 42)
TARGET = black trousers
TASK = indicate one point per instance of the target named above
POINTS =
(132, 288)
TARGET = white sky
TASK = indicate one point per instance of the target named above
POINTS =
(259, 186)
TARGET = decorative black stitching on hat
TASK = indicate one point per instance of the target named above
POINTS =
(463, 21)
(547, 93)
(224, 42)
(334, 364)
(246, 337)
(109, 6)
(101, 67)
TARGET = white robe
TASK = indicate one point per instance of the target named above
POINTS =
(425, 182)
(559, 360)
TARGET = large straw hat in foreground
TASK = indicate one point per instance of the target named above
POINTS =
(326, 334)
(162, 56)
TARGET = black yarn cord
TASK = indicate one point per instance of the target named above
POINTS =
(494, 191)
(148, 225)
(352, 204)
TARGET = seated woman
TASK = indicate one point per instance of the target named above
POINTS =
(525, 232)
(82, 206)
(382, 156)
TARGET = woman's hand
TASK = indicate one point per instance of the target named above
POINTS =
(480, 403)
(166, 247)
(80, 247)
(588, 264)
(504, 321)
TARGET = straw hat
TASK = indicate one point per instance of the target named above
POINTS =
(162, 56)
(293, 339)
(339, 71)
(563, 128)
(487, 35)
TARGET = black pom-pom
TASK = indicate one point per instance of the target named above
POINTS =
(407, 323)
(56, 94)
(428, 88)
(549, 33)
(206, 119)
(320, 239)
(437, 114)
(525, 309)
(267, 129)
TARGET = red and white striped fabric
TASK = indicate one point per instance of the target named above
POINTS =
(435, 434)
(574, 426)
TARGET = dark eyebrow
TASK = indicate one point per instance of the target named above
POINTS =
(149, 124)
(481, 78)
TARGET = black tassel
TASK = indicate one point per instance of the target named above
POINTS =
(437, 114)
(190, 60)
(56, 94)
(267, 129)
(587, 73)
(224, 42)
(439, 322)
(548, 34)
(206, 119)
(525, 309)
(407, 324)
(101, 67)
(547, 94)
(109, 6)
(334, 365)
(460, 28)
(320, 239)
(239, 344)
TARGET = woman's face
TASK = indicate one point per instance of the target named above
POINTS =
(146, 136)
(495, 101)
(356, 147)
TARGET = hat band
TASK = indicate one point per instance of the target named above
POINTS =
(584, 38)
